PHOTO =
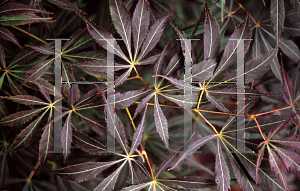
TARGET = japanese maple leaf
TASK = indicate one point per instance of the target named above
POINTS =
(144, 37)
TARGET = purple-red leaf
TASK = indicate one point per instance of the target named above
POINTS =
(194, 147)
(277, 166)
(12, 8)
(26, 99)
(46, 144)
(138, 134)
(26, 136)
(7, 35)
(204, 70)
(161, 122)
(20, 117)
(152, 37)
(122, 22)
(221, 170)
(102, 38)
(211, 35)
(243, 31)
(38, 70)
(109, 182)
(257, 66)
(87, 144)
(84, 171)
(217, 103)
(124, 100)
(140, 25)
(66, 137)
(277, 17)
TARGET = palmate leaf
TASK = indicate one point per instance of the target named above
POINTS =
(216, 103)
(192, 182)
(140, 24)
(86, 143)
(138, 134)
(277, 17)
(153, 36)
(161, 122)
(46, 144)
(101, 37)
(243, 31)
(124, 100)
(12, 8)
(158, 66)
(296, 6)
(194, 147)
(275, 66)
(240, 174)
(257, 66)
(290, 159)
(203, 71)
(7, 35)
(109, 182)
(26, 99)
(277, 166)
(122, 22)
(211, 35)
(66, 137)
(23, 19)
(266, 177)
(142, 104)
(292, 142)
(20, 117)
(27, 135)
(221, 170)
(38, 70)
(84, 171)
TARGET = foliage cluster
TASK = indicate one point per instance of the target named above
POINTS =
(153, 149)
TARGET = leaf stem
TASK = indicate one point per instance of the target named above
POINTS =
(28, 33)
(253, 117)
(33, 171)
(211, 125)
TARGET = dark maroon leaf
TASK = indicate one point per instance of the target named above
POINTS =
(202, 71)
(124, 100)
(217, 103)
(277, 17)
(38, 70)
(7, 35)
(66, 137)
(257, 66)
(140, 24)
(43, 49)
(46, 145)
(161, 122)
(86, 143)
(190, 182)
(152, 37)
(211, 35)
(277, 166)
(26, 99)
(84, 171)
(109, 182)
(194, 147)
(221, 170)
(122, 22)
(20, 117)
(12, 8)
(27, 135)
(138, 134)
(243, 31)
(143, 103)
